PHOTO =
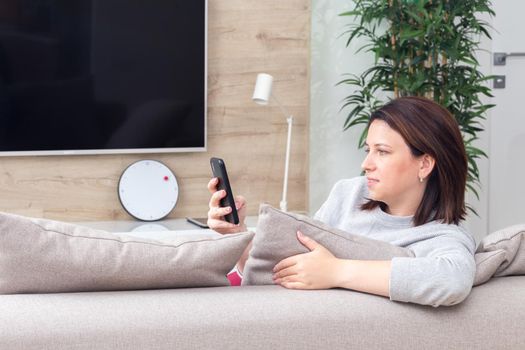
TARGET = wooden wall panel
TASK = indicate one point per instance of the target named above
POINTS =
(244, 37)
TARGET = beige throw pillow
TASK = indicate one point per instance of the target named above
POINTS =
(501, 253)
(276, 239)
(486, 264)
(45, 256)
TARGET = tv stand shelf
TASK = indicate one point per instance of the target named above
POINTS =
(166, 225)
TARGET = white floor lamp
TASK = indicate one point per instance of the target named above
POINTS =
(261, 95)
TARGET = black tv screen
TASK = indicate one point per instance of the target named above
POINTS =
(102, 76)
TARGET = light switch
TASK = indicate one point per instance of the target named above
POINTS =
(499, 82)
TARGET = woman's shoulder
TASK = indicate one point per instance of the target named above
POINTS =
(353, 191)
(450, 231)
(355, 184)
(345, 196)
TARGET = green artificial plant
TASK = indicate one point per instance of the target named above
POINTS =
(422, 48)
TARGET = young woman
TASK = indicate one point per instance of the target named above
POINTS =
(411, 196)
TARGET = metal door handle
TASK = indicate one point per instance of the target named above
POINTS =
(500, 58)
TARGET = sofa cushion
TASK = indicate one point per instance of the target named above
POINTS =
(276, 240)
(501, 253)
(43, 256)
(262, 318)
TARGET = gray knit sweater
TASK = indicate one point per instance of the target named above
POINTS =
(442, 271)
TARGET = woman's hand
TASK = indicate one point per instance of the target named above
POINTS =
(316, 269)
(216, 213)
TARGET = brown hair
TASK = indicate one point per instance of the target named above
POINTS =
(429, 128)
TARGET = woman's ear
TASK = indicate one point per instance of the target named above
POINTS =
(427, 164)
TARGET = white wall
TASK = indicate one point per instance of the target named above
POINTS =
(333, 153)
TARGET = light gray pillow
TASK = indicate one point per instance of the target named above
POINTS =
(276, 239)
(45, 256)
(501, 253)
(486, 264)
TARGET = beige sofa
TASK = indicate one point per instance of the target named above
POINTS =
(36, 255)
(262, 317)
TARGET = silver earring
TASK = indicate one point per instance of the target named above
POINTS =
(420, 179)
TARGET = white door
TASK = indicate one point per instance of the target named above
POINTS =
(506, 198)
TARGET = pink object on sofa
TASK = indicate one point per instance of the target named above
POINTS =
(234, 278)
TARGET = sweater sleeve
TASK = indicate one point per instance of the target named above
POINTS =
(441, 272)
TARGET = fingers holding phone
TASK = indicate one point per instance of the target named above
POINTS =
(218, 168)
(227, 213)
(217, 213)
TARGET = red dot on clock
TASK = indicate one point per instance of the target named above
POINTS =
(166, 178)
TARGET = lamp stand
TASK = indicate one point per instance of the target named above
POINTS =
(261, 95)
(284, 204)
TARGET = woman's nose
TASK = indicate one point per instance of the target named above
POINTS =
(367, 164)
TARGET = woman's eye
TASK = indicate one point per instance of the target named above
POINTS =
(378, 151)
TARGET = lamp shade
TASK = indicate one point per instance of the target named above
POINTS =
(263, 88)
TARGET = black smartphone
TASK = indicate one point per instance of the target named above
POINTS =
(201, 222)
(218, 169)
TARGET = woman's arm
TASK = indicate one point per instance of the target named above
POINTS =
(216, 215)
(369, 276)
(320, 269)
(441, 273)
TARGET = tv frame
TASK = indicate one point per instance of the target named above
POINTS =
(138, 150)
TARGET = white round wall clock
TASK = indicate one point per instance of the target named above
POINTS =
(148, 190)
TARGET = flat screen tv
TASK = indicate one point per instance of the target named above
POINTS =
(102, 76)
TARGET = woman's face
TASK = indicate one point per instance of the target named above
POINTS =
(392, 171)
